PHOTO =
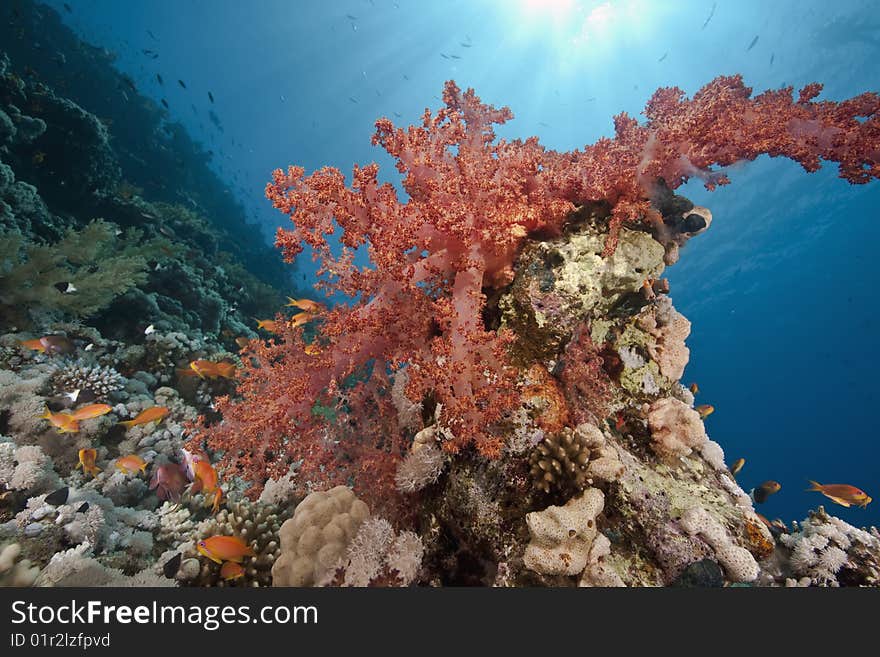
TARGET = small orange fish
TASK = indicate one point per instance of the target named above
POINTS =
(305, 304)
(87, 461)
(268, 325)
(64, 422)
(204, 368)
(705, 410)
(842, 494)
(231, 570)
(301, 318)
(737, 466)
(208, 369)
(50, 344)
(224, 369)
(218, 495)
(131, 464)
(760, 494)
(225, 548)
(204, 477)
(694, 388)
(152, 414)
(34, 344)
(90, 411)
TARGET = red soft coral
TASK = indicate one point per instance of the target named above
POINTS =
(473, 199)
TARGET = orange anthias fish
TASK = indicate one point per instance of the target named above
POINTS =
(131, 464)
(231, 570)
(87, 461)
(694, 388)
(205, 480)
(208, 369)
(152, 414)
(225, 548)
(64, 422)
(51, 344)
(34, 344)
(204, 477)
(301, 318)
(705, 410)
(308, 305)
(842, 494)
(268, 325)
(90, 411)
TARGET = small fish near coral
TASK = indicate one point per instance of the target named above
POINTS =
(131, 464)
(705, 410)
(225, 548)
(760, 494)
(842, 494)
(87, 458)
(153, 414)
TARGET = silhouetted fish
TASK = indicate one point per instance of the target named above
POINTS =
(663, 57)
(67, 7)
(165, 103)
(181, 83)
(83, 507)
(159, 78)
(59, 497)
(210, 96)
(752, 44)
(711, 13)
(772, 57)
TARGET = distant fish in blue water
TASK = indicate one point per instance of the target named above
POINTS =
(666, 54)
(67, 7)
(465, 45)
(152, 36)
(752, 44)
(350, 17)
(711, 13)
(152, 54)
(455, 56)
(397, 114)
(210, 96)
(282, 98)
(353, 99)
(164, 103)
(182, 83)
(772, 57)
(444, 56)
(159, 79)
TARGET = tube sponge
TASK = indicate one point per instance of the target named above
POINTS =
(739, 564)
(562, 535)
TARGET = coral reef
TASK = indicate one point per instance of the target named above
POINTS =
(498, 403)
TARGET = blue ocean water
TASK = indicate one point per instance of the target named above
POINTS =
(781, 290)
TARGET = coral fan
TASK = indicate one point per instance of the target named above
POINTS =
(440, 255)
